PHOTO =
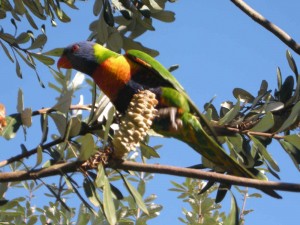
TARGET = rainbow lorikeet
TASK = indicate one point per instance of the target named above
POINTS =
(122, 76)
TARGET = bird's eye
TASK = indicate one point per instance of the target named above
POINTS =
(75, 48)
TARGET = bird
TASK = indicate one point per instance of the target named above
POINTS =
(120, 76)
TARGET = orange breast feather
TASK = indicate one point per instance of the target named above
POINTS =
(113, 74)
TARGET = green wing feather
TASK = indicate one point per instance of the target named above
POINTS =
(165, 74)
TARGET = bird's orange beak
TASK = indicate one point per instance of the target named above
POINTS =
(63, 62)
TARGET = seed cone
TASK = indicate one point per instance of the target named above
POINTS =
(135, 123)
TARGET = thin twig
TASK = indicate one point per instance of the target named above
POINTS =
(255, 133)
(277, 31)
(29, 153)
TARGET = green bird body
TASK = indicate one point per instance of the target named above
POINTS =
(121, 76)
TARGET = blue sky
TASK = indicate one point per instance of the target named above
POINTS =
(218, 48)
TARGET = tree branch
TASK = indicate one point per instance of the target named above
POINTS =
(277, 31)
(68, 167)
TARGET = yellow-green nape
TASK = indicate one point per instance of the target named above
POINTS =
(101, 53)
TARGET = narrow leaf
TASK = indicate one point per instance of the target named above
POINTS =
(266, 123)
(87, 147)
(229, 116)
(263, 151)
(108, 203)
(39, 156)
(233, 217)
(54, 52)
(291, 119)
(292, 151)
(136, 195)
(6, 52)
(291, 62)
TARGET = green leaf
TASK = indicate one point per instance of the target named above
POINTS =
(148, 151)
(291, 62)
(165, 16)
(90, 192)
(7, 37)
(23, 38)
(233, 217)
(229, 116)
(87, 148)
(136, 195)
(255, 195)
(26, 117)
(291, 119)
(292, 151)
(44, 127)
(108, 203)
(64, 101)
(97, 7)
(7, 52)
(293, 139)
(60, 122)
(20, 105)
(83, 217)
(27, 61)
(54, 52)
(39, 156)
(44, 59)
(266, 123)
(279, 79)
(39, 42)
(263, 151)
(243, 95)
(30, 20)
(75, 126)
(287, 89)
(100, 176)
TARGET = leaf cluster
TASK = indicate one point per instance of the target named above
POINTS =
(254, 121)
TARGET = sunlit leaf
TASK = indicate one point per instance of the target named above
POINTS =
(100, 176)
(136, 195)
(87, 147)
(26, 117)
(148, 151)
(60, 122)
(233, 217)
(108, 203)
(266, 123)
(293, 139)
(23, 38)
(54, 52)
(44, 59)
(39, 42)
(75, 127)
(39, 155)
(229, 116)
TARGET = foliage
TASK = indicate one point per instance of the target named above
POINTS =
(250, 125)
